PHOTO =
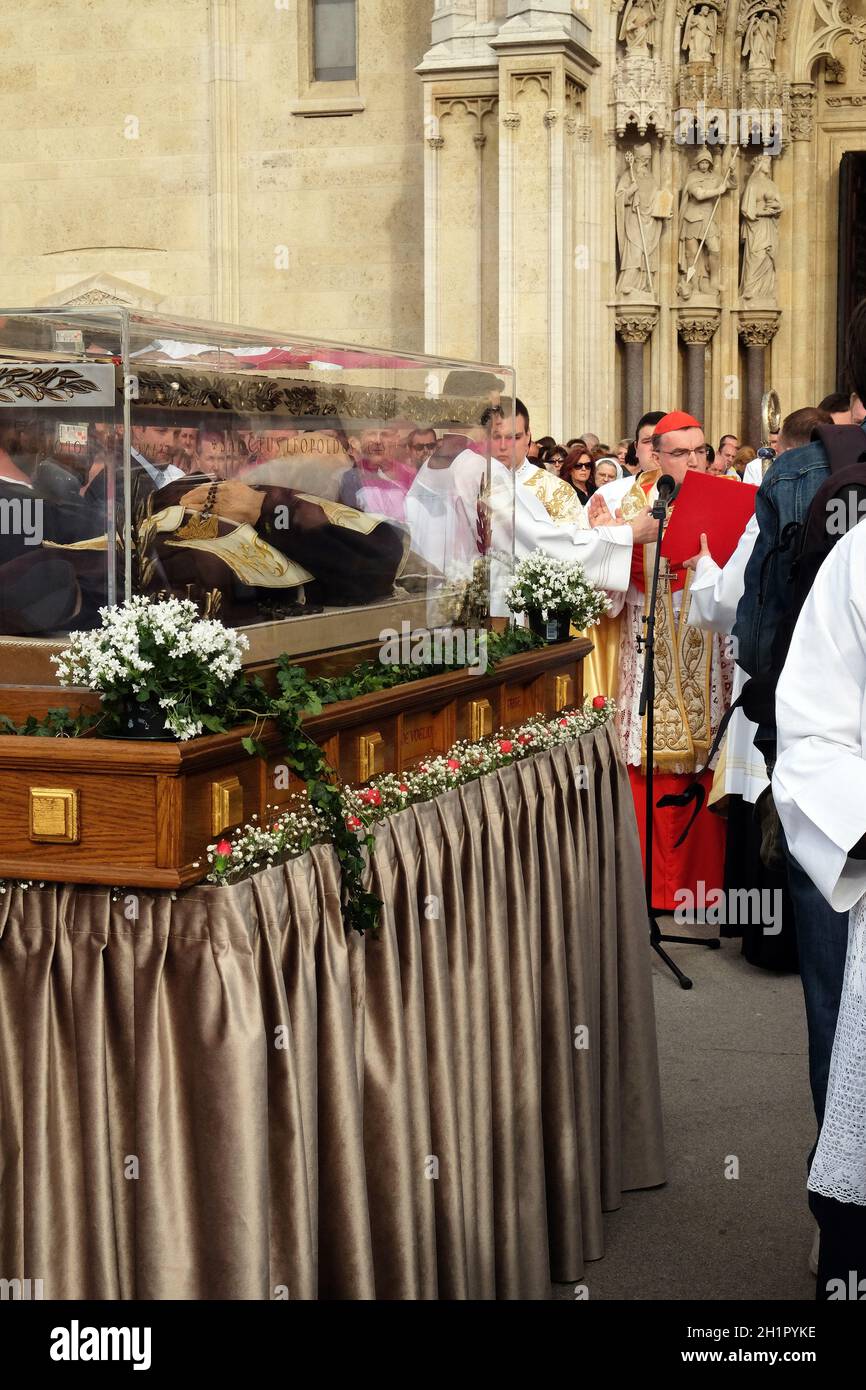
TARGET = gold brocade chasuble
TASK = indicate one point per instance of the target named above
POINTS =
(558, 498)
(683, 656)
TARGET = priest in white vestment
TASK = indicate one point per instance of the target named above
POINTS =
(528, 508)
(819, 786)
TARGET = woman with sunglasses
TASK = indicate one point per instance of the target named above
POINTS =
(577, 470)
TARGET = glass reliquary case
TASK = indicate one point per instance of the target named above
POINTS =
(310, 494)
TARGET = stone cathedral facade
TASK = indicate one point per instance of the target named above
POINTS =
(637, 203)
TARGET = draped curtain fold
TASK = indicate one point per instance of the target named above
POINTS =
(221, 1095)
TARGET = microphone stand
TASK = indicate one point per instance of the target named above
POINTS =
(646, 644)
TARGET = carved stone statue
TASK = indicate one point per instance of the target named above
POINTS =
(638, 28)
(700, 241)
(760, 209)
(641, 208)
(759, 43)
(699, 34)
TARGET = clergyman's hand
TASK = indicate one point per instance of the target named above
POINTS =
(644, 527)
(599, 512)
(235, 501)
(692, 564)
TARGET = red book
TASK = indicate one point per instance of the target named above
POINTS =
(718, 507)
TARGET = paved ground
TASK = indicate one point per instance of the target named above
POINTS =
(734, 1083)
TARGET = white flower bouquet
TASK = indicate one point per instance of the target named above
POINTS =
(160, 656)
(549, 587)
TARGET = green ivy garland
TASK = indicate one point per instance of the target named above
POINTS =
(299, 695)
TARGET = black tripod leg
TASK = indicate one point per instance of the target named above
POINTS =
(655, 941)
(712, 944)
(684, 981)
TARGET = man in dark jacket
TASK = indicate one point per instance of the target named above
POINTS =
(40, 591)
(785, 497)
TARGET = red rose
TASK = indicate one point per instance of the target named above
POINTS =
(563, 723)
(353, 823)
(224, 848)
(402, 787)
(599, 701)
(453, 765)
(505, 745)
(524, 738)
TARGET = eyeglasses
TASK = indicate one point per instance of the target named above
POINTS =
(679, 454)
(423, 448)
(583, 465)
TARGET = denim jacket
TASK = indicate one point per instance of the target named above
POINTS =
(785, 496)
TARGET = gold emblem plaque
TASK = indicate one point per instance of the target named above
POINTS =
(371, 756)
(227, 804)
(480, 719)
(54, 815)
(563, 691)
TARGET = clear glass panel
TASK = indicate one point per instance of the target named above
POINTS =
(312, 493)
(334, 40)
(61, 470)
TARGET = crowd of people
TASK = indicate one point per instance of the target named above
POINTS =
(586, 464)
(760, 714)
(786, 769)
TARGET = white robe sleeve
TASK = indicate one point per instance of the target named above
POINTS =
(716, 591)
(604, 552)
(754, 472)
(819, 783)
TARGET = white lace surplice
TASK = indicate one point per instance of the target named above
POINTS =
(839, 1165)
(819, 787)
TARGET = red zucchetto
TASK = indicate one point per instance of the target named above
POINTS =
(677, 420)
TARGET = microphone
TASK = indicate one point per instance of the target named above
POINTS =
(665, 491)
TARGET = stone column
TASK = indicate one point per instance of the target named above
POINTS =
(757, 329)
(802, 229)
(224, 161)
(634, 325)
(432, 232)
(696, 327)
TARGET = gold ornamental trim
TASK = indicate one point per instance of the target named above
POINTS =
(637, 499)
(209, 391)
(683, 671)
